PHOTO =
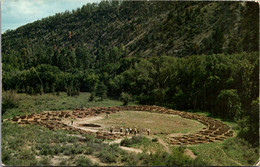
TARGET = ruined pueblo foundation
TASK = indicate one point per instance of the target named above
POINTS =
(215, 130)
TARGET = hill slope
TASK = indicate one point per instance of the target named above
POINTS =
(183, 55)
(146, 28)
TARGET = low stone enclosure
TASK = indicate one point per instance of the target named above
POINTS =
(216, 130)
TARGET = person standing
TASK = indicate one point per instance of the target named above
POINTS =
(148, 132)
(135, 131)
(111, 129)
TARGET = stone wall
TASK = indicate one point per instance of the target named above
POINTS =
(216, 130)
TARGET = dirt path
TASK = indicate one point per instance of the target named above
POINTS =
(130, 149)
(257, 163)
(166, 146)
(87, 120)
(96, 160)
(78, 136)
(189, 153)
(117, 141)
(56, 160)
(78, 122)
(83, 120)
(135, 150)
(162, 142)
(229, 157)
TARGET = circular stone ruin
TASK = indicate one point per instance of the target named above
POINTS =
(215, 130)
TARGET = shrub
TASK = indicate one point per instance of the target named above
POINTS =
(6, 155)
(38, 103)
(73, 91)
(181, 149)
(57, 149)
(155, 140)
(68, 91)
(96, 146)
(89, 150)
(41, 90)
(135, 140)
(103, 96)
(89, 138)
(31, 91)
(126, 142)
(200, 162)
(125, 97)
(131, 159)
(71, 139)
(83, 161)
(46, 150)
(107, 157)
(79, 150)
(92, 96)
(9, 100)
(63, 162)
(166, 159)
(45, 161)
(26, 155)
(68, 150)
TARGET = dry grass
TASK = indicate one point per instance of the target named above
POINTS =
(157, 122)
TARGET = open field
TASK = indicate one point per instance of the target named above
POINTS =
(131, 83)
(36, 145)
(48, 102)
(156, 122)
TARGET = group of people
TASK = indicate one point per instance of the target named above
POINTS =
(128, 131)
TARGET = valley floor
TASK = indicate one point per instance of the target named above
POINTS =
(35, 145)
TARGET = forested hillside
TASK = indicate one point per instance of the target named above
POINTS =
(144, 29)
(183, 55)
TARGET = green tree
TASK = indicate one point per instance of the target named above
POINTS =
(101, 90)
(249, 124)
(229, 105)
(125, 97)
(92, 96)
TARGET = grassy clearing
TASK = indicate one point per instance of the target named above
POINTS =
(156, 122)
(230, 152)
(49, 102)
(35, 145)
